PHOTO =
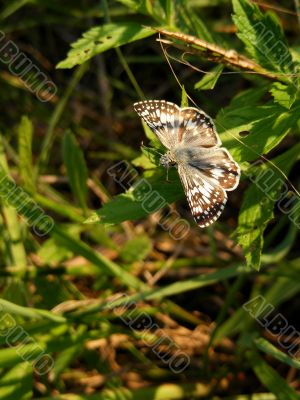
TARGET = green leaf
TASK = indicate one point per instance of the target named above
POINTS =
(26, 312)
(136, 249)
(285, 95)
(184, 98)
(190, 22)
(147, 7)
(149, 158)
(144, 162)
(50, 252)
(102, 38)
(267, 126)
(65, 358)
(271, 379)
(145, 197)
(268, 348)
(152, 154)
(76, 168)
(104, 265)
(210, 79)
(262, 36)
(25, 131)
(17, 383)
(258, 203)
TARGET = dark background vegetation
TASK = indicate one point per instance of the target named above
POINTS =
(60, 287)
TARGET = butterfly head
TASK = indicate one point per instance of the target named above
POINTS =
(167, 160)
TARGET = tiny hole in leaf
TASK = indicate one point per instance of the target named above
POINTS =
(244, 133)
(98, 42)
(87, 50)
(108, 37)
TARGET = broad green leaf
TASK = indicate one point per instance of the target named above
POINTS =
(267, 126)
(210, 79)
(102, 38)
(76, 168)
(262, 36)
(152, 154)
(149, 158)
(25, 131)
(145, 197)
(283, 94)
(271, 379)
(136, 249)
(248, 97)
(143, 161)
(268, 348)
(258, 203)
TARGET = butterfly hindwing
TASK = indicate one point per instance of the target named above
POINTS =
(205, 199)
(218, 166)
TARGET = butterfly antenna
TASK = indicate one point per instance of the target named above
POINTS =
(242, 143)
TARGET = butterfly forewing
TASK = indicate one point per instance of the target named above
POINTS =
(162, 117)
(197, 129)
(174, 125)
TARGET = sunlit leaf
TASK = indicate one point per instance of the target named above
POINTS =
(210, 78)
(262, 36)
(102, 38)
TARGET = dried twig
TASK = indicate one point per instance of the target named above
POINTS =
(216, 53)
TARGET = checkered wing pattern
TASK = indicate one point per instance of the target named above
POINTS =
(206, 200)
(197, 129)
(174, 125)
(217, 166)
(162, 117)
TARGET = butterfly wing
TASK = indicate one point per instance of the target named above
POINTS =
(162, 117)
(206, 199)
(197, 129)
(216, 165)
(174, 125)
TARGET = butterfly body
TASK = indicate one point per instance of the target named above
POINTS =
(171, 158)
(206, 170)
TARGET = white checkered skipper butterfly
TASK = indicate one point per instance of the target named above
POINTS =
(206, 170)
